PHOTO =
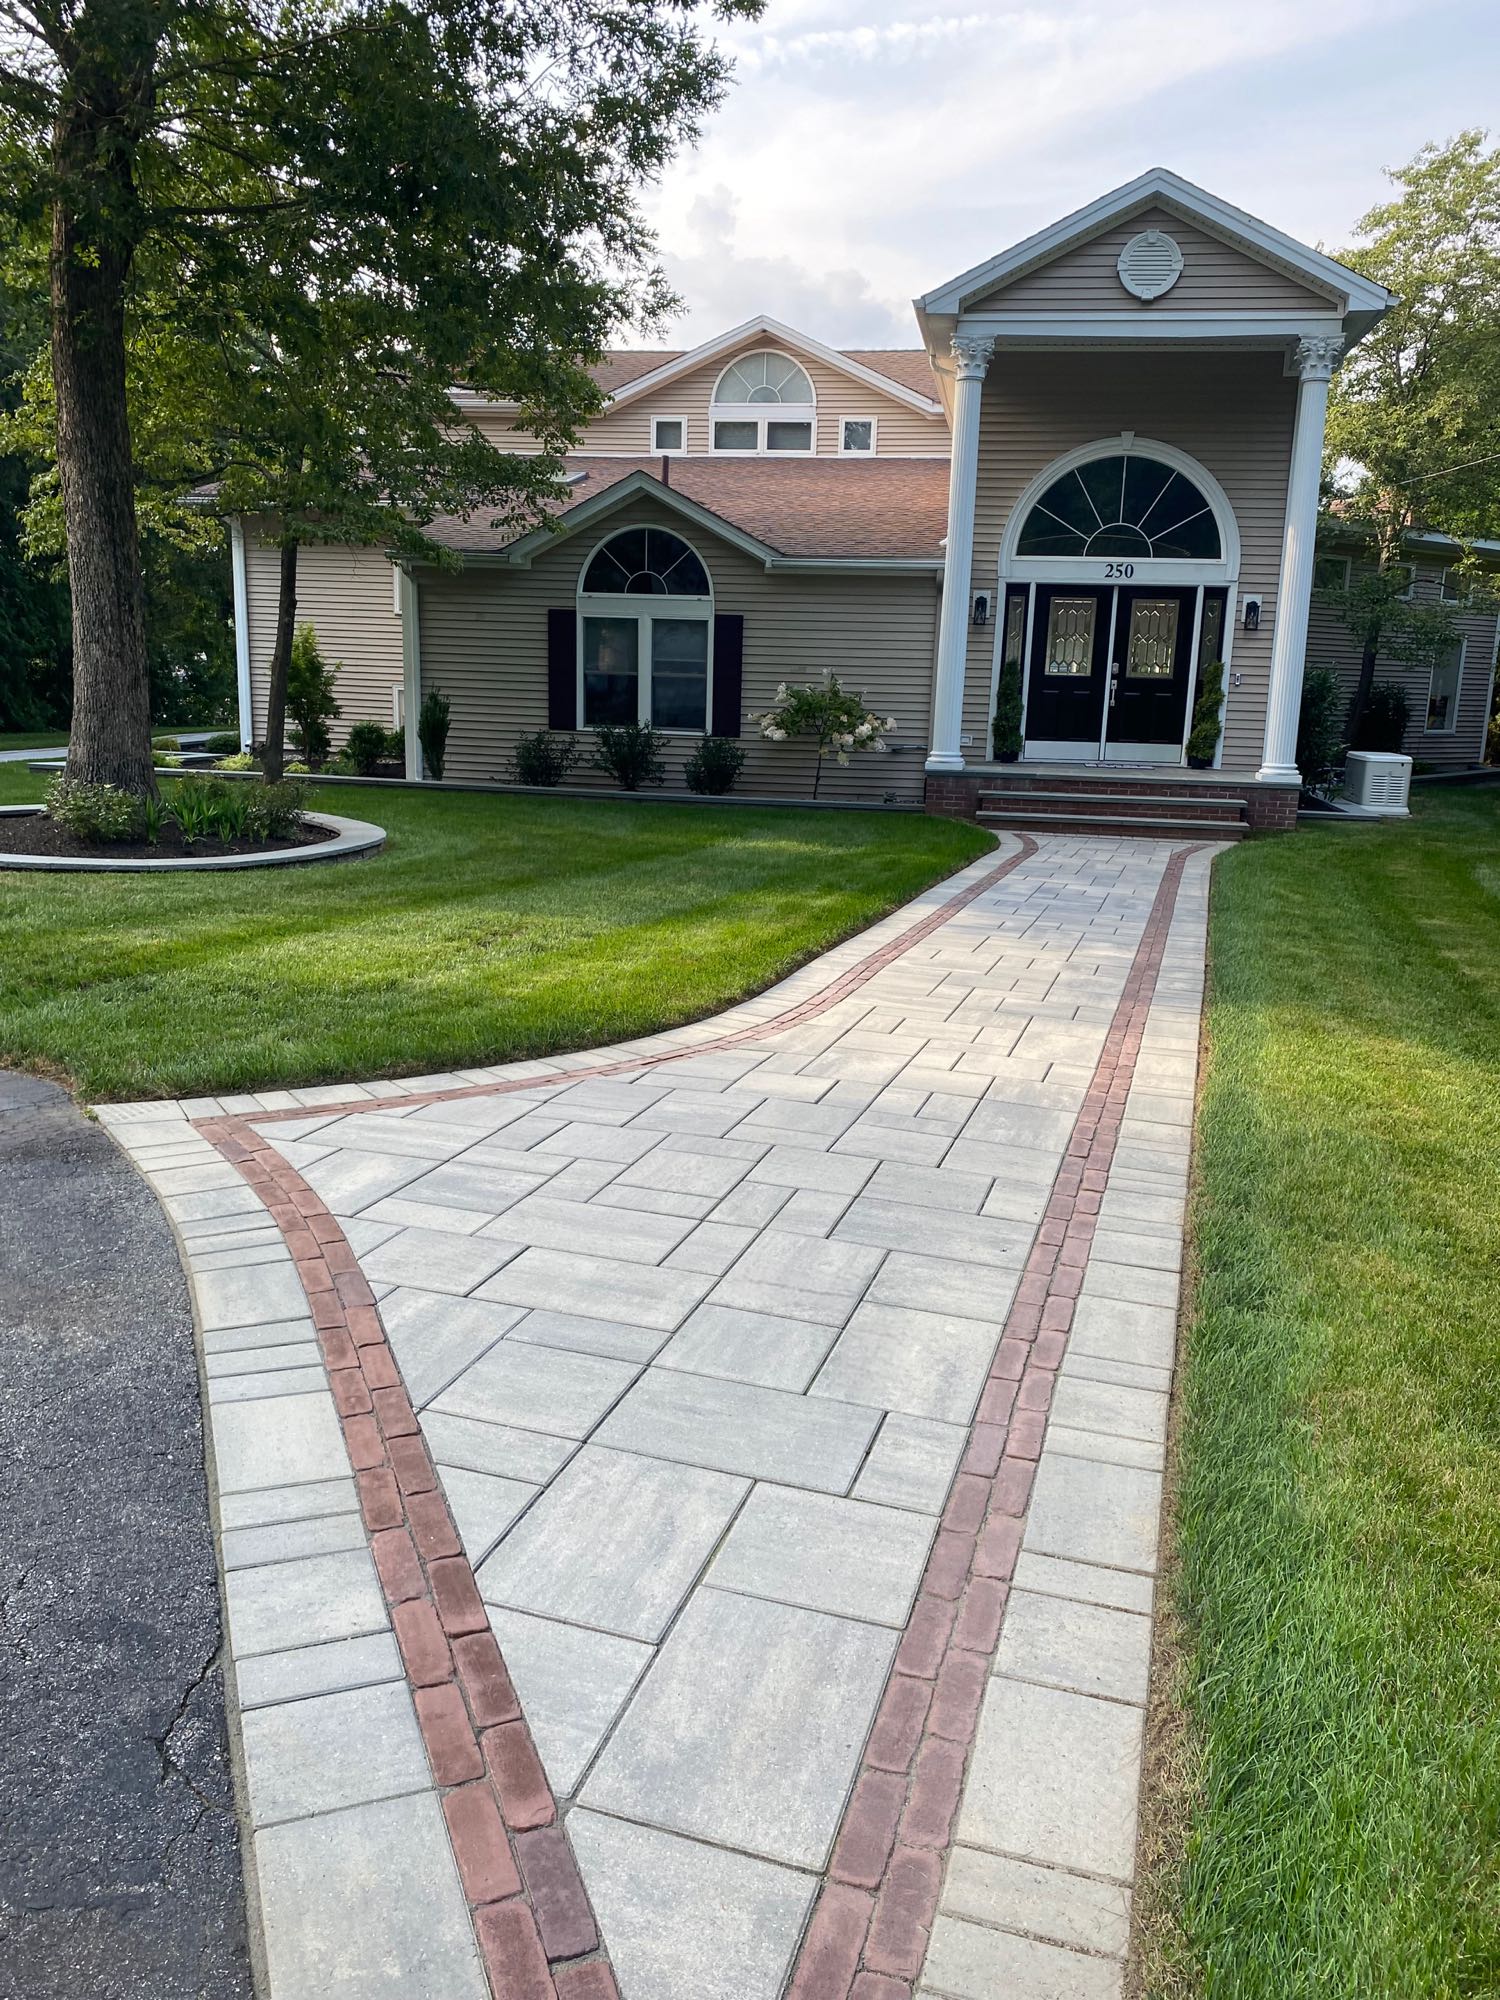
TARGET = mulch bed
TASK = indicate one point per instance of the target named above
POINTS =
(34, 833)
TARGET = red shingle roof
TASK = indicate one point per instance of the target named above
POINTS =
(829, 508)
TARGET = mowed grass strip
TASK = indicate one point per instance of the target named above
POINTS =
(490, 928)
(1331, 1803)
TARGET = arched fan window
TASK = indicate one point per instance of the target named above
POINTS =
(764, 378)
(645, 562)
(1127, 506)
(764, 403)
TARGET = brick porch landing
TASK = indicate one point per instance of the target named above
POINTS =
(1134, 802)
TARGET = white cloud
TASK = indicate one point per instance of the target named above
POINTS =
(866, 153)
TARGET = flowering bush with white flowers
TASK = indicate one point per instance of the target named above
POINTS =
(832, 714)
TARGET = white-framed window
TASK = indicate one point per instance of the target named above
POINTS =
(645, 633)
(1409, 572)
(856, 436)
(1455, 587)
(668, 434)
(1330, 573)
(764, 405)
(1443, 691)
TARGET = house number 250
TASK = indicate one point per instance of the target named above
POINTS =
(1115, 570)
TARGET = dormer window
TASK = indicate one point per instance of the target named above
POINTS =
(763, 404)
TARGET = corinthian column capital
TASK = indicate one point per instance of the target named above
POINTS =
(1317, 355)
(971, 356)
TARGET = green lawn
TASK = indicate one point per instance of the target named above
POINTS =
(33, 739)
(1332, 1794)
(490, 928)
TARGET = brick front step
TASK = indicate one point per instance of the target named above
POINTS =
(1118, 823)
(1120, 804)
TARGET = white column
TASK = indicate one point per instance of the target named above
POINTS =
(241, 632)
(1316, 359)
(970, 358)
(411, 674)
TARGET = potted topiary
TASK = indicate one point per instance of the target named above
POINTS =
(1007, 726)
(1203, 737)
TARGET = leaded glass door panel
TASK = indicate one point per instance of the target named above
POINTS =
(1068, 672)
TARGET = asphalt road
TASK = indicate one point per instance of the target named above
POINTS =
(119, 1851)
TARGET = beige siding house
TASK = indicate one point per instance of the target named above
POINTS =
(1101, 465)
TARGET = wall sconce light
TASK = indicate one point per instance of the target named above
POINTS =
(1251, 614)
(981, 607)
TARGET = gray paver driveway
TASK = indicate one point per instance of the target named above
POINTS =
(697, 1351)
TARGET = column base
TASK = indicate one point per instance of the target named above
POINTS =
(945, 760)
(1278, 774)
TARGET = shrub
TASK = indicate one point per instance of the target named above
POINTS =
(275, 812)
(1492, 741)
(95, 812)
(225, 744)
(1383, 724)
(1203, 737)
(395, 745)
(714, 765)
(295, 769)
(631, 754)
(310, 700)
(366, 747)
(165, 743)
(432, 730)
(543, 759)
(242, 760)
(1320, 738)
(1006, 734)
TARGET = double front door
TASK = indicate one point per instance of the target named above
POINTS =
(1111, 670)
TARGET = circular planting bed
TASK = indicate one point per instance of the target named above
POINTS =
(30, 840)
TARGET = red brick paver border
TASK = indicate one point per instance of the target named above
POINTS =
(526, 1897)
(868, 1936)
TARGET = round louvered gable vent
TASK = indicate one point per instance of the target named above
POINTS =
(1150, 264)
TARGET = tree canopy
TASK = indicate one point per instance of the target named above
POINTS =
(276, 233)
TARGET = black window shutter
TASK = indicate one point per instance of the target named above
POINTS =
(729, 661)
(562, 669)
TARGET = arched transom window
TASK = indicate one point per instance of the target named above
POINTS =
(646, 562)
(645, 621)
(764, 403)
(1126, 506)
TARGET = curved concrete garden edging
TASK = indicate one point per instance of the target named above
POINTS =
(353, 838)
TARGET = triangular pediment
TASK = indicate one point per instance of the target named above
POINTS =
(1230, 262)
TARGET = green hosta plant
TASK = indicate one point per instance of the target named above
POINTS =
(833, 715)
(242, 760)
(99, 813)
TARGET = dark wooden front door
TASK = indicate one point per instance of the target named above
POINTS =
(1152, 666)
(1069, 665)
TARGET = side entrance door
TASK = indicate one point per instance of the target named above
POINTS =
(1149, 675)
(1069, 671)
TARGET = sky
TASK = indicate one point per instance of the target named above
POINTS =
(868, 150)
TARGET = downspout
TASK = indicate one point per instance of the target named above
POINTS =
(241, 592)
(411, 674)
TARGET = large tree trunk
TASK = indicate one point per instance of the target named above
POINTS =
(110, 741)
(281, 660)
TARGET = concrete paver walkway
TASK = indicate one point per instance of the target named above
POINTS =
(787, 1397)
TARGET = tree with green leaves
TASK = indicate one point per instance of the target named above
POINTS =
(1414, 419)
(325, 215)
